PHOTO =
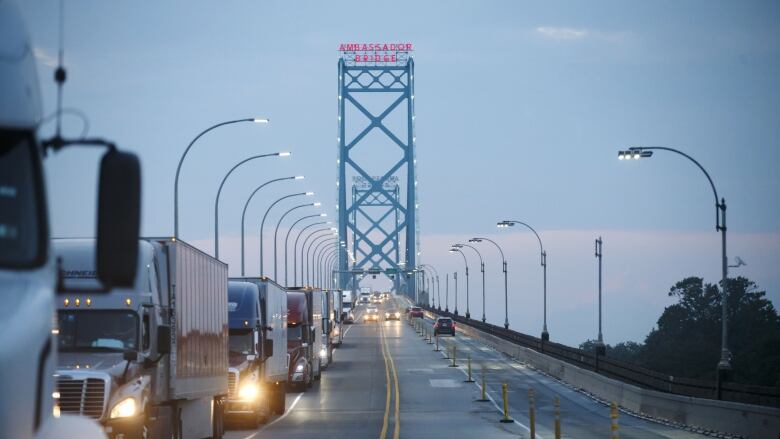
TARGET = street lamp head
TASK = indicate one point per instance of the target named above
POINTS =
(323, 215)
(317, 204)
(261, 120)
(457, 245)
(284, 154)
(635, 153)
(299, 177)
(505, 224)
(475, 240)
(309, 194)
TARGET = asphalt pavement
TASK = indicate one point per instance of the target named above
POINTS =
(387, 381)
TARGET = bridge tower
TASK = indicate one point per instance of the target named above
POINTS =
(376, 154)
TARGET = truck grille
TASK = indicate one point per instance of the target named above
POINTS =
(232, 381)
(82, 396)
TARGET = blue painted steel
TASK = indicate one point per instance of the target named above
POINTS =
(387, 241)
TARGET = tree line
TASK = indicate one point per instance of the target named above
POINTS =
(686, 341)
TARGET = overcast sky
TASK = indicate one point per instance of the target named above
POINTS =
(521, 108)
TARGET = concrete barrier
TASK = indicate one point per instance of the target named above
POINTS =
(749, 421)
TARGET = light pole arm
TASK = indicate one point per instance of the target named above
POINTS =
(178, 170)
(503, 259)
(219, 192)
(295, 249)
(243, 214)
(262, 224)
(719, 204)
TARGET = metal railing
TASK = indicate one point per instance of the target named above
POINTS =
(627, 372)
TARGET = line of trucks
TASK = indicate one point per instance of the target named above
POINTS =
(185, 348)
(126, 336)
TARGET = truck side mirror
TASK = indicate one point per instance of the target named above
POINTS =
(119, 216)
(130, 355)
(268, 348)
(164, 339)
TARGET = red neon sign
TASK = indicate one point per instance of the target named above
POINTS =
(376, 53)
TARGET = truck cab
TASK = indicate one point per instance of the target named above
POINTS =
(299, 341)
(257, 371)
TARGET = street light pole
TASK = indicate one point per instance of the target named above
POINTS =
(303, 248)
(219, 191)
(456, 248)
(316, 259)
(455, 277)
(447, 293)
(262, 223)
(724, 365)
(243, 213)
(506, 275)
(543, 253)
(482, 269)
(600, 348)
(295, 249)
(310, 265)
(276, 233)
(287, 239)
(181, 160)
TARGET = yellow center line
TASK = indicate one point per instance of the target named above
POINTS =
(383, 433)
(397, 426)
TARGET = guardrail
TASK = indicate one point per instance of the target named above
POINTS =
(626, 372)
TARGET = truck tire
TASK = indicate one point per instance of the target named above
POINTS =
(280, 400)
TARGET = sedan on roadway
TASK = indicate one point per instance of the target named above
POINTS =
(415, 311)
(392, 314)
(444, 325)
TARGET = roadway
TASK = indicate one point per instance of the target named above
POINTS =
(386, 381)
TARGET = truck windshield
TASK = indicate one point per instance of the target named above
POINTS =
(22, 243)
(98, 330)
(241, 341)
(294, 332)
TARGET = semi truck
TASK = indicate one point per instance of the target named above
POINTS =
(257, 376)
(147, 360)
(329, 328)
(348, 300)
(28, 270)
(304, 336)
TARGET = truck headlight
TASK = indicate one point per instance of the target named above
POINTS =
(299, 368)
(248, 391)
(323, 353)
(124, 408)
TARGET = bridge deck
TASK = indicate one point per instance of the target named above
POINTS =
(352, 398)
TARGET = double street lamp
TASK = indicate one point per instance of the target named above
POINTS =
(510, 223)
(506, 283)
(724, 365)
(181, 160)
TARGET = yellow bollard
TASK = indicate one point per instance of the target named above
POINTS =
(613, 414)
(483, 390)
(504, 395)
(469, 369)
(531, 413)
(454, 355)
(557, 418)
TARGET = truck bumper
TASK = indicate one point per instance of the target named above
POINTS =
(235, 409)
(124, 428)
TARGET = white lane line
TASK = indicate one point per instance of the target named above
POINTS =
(292, 406)
(495, 404)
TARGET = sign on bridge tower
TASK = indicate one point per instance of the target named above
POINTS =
(376, 154)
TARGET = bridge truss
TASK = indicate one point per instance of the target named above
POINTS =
(379, 220)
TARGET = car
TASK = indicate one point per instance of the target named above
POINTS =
(371, 314)
(347, 317)
(444, 325)
(392, 314)
(415, 311)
